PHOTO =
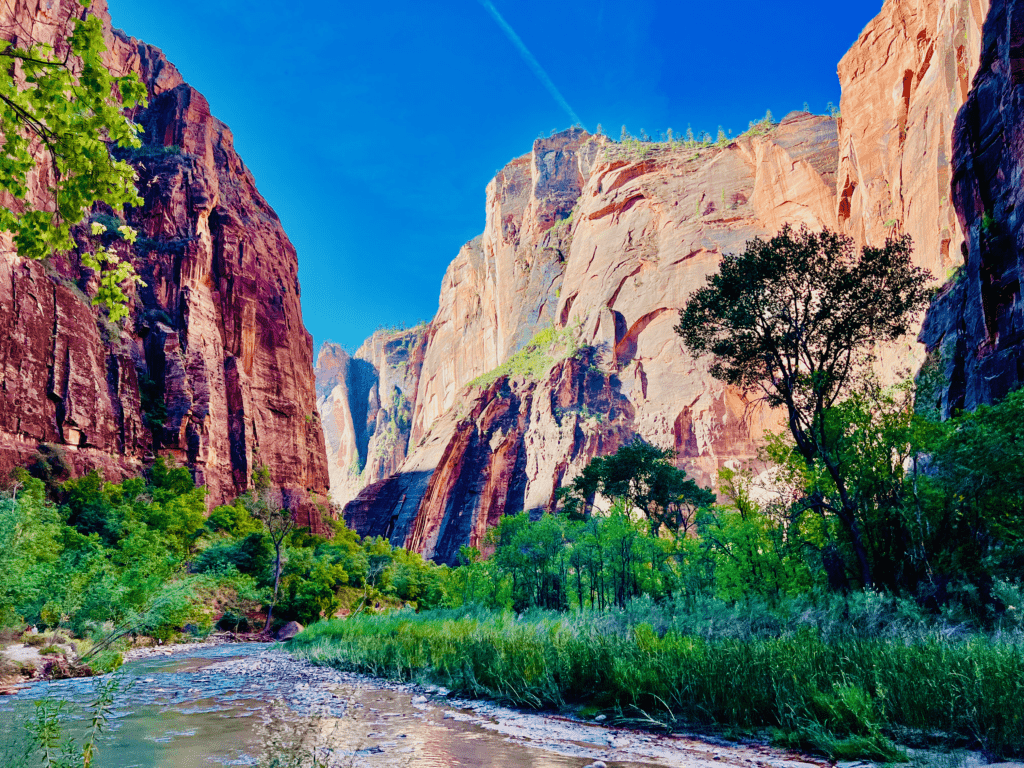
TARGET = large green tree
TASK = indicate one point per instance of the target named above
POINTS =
(795, 318)
(61, 110)
(643, 477)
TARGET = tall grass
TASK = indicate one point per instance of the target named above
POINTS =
(841, 696)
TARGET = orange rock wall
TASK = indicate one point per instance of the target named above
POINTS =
(902, 84)
(645, 231)
(586, 235)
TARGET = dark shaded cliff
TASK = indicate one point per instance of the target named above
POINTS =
(214, 367)
(975, 328)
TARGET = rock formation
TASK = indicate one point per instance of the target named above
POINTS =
(365, 403)
(604, 243)
(608, 241)
(902, 84)
(975, 327)
(214, 368)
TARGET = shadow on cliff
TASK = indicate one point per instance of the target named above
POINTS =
(387, 506)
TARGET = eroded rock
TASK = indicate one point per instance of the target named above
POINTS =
(215, 366)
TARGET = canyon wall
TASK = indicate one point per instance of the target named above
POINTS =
(365, 402)
(607, 242)
(214, 366)
(903, 82)
(603, 243)
(975, 327)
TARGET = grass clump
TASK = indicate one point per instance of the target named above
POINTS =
(844, 698)
(535, 359)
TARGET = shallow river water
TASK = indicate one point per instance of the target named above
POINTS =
(225, 705)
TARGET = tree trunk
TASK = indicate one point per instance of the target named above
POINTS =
(277, 581)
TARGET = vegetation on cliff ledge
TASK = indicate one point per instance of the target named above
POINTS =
(547, 347)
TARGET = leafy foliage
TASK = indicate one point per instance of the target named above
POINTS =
(642, 477)
(63, 104)
(794, 317)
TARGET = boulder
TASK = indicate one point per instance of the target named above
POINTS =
(288, 631)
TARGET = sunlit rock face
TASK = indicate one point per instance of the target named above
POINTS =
(365, 402)
(604, 244)
(646, 230)
(975, 327)
(903, 82)
(589, 237)
(214, 368)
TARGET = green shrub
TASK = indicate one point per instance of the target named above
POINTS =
(535, 359)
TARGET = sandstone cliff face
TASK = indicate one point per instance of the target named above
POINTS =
(215, 367)
(975, 328)
(605, 243)
(646, 230)
(365, 402)
(500, 289)
(902, 84)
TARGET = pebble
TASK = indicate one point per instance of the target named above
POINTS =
(600, 718)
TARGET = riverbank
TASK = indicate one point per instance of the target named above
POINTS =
(315, 692)
(240, 704)
(846, 699)
(54, 656)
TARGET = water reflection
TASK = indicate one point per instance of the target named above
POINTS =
(193, 711)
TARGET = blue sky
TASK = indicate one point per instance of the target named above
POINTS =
(373, 128)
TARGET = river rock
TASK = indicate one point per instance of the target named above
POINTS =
(288, 631)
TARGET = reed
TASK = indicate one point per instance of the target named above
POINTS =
(842, 697)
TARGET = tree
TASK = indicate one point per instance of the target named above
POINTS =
(643, 477)
(795, 317)
(976, 489)
(60, 112)
(263, 505)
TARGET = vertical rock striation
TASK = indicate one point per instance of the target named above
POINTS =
(604, 243)
(215, 366)
(365, 402)
(902, 84)
(975, 327)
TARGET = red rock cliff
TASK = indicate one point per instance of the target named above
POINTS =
(644, 232)
(975, 328)
(902, 84)
(604, 243)
(365, 402)
(215, 367)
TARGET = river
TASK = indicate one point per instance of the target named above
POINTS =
(228, 705)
